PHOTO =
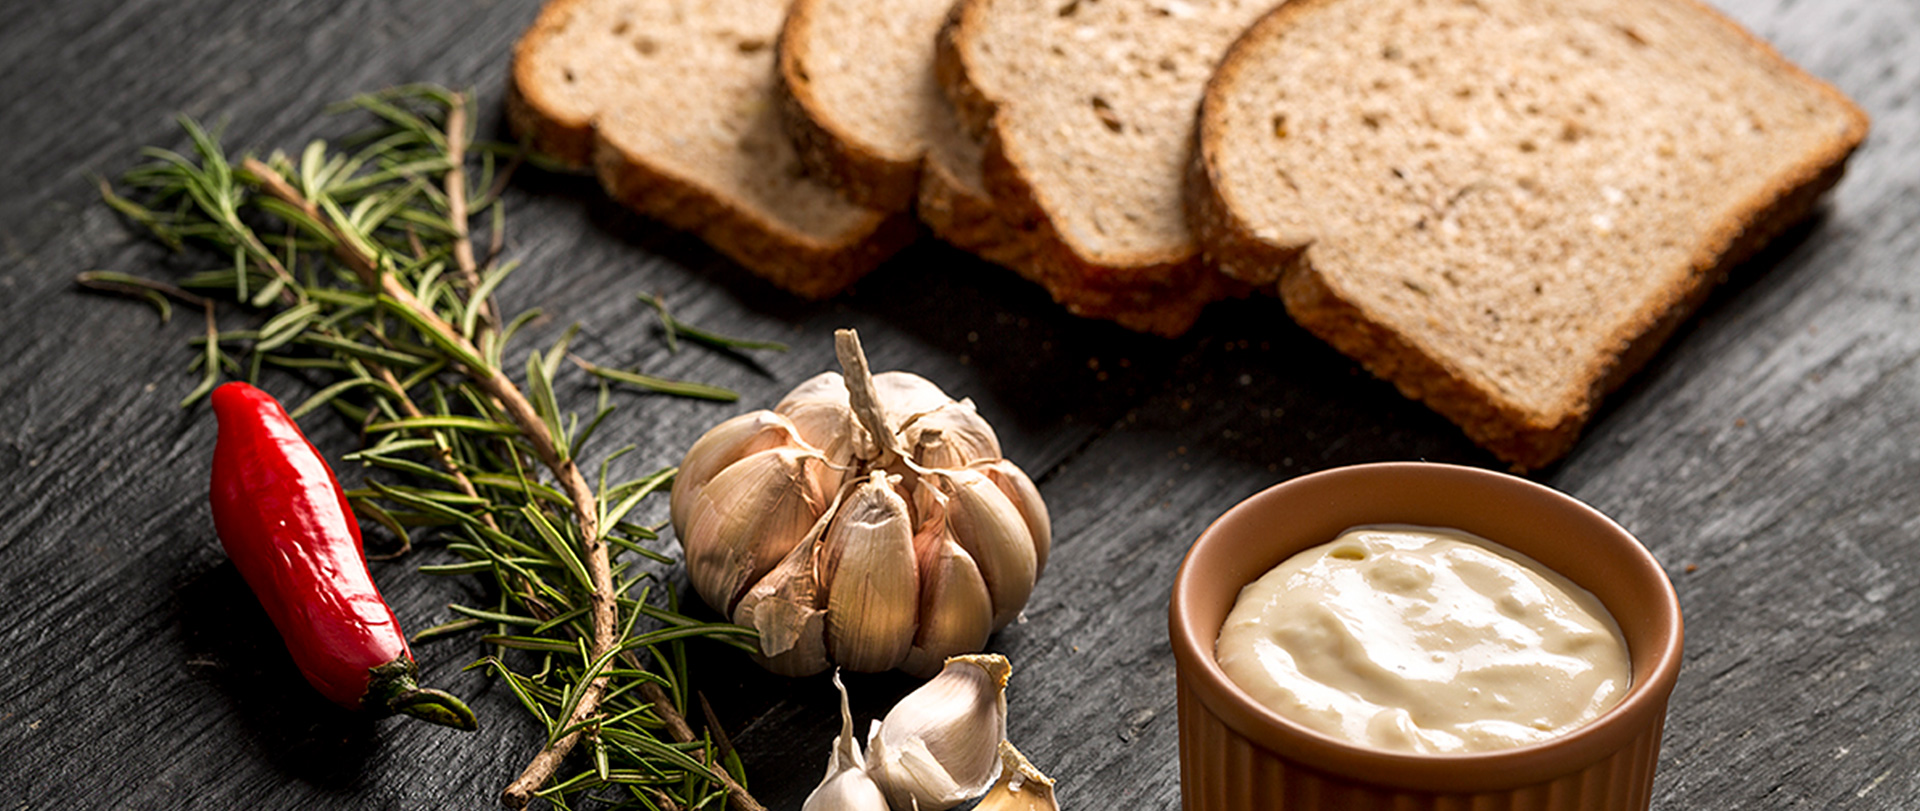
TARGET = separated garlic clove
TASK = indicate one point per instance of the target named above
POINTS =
(1026, 498)
(851, 790)
(1021, 787)
(749, 517)
(987, 524)
(721, 446)
(871, 575)
(940, 745)
(956, 612)
(785, 608)
(847, 786)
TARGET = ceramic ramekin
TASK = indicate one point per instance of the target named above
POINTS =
(1237, 754)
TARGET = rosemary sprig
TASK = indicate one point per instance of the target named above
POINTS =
(362, 259)
(676, 329)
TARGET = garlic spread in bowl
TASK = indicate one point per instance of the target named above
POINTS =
(1428, 640)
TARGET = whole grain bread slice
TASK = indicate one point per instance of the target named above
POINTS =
(857, 93)
(1085, 111)
(1504, 206)
(673, 106)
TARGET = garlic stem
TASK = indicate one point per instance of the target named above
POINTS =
(861, 395)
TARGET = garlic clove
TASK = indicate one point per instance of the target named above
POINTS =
(1026, 498)
(851, 790)
(955, 608)
(965, 437)
(847, 786)
(825, 387)
(940, 745)
(987, 524)
(785, 608)
(823, 417)
(721, 446)
(749, 517)
(1021, 787)
(956, 612)
(904, 394)
(871, 576)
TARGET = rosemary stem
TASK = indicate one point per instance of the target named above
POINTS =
(456, 185)
(441, 450)
(534, 430)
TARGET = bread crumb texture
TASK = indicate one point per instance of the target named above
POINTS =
(1516, 193)
(870, 67)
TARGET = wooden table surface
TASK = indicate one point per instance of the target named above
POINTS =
(1769, 456)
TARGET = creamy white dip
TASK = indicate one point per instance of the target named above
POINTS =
(1418, 639)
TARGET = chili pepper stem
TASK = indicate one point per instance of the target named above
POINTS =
(391, 689)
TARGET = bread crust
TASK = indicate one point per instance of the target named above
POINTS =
(951, 67)
(969, 221)
(957, 212)
(532, 115)
(793, 261)
(1524, 439)
(1161, 293)
(826, 148)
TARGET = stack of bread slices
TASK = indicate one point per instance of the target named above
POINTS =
(1500, 206)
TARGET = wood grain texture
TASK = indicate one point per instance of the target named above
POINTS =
(1769, 457)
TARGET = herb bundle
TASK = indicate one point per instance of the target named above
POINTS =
(364, 262)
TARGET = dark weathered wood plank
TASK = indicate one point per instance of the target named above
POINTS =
(1767, 458)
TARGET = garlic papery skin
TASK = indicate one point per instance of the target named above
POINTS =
(741, 523)
(749, 516)
(847, 786)
(872, 577)
(1021, 787)
(939, 746)
(785, 608)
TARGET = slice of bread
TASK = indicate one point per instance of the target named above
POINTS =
(860, 102)
(673, 105)
(857, 92)
(1085, 110)
(1505, 206)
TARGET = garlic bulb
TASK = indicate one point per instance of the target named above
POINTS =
(1021, 787)
(866, 520)
(939, 746)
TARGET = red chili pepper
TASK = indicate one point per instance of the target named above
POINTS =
(285, 523)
